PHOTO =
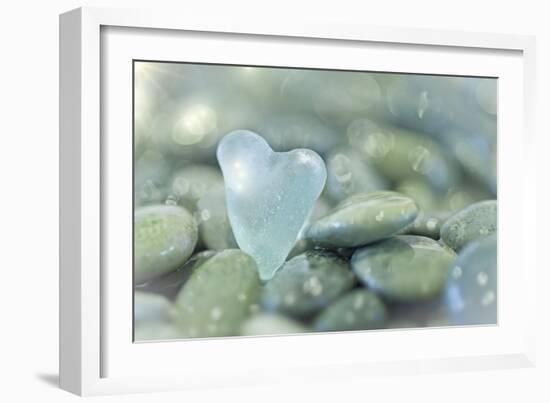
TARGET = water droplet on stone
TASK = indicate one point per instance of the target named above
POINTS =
(456, 272)
(488, 298)
(482, 278)
(289, 299)
(313, 286)
(216, 313)
(205, 215)
(418, 157)
(423, 104)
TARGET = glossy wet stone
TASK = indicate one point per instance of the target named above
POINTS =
(270, 323)
(322, 206)
(403, 268)
(150, 307)
(164, 238)
(220, 294)
(471, 292)
(357, 310)
(269, 195)
(307, 283)
(473, 222)
(169, 284)
(362, 219)
(428, 224)
(348, 174)
(214, 226)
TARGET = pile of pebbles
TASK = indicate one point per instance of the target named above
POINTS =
(403, 235)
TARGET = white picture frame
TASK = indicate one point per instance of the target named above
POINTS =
(96, 356)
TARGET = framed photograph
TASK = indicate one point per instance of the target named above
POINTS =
(244, 202)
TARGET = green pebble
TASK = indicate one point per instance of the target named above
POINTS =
(169, 284)
(150, 307)
(362, 219)
(164, 238)
(220, 294)
(403, 268)
(357, 310)
(474, 222)
(303, 244)
(471, 294)
(215, 228)
(271, 324)
(307, 283)
(427, 224)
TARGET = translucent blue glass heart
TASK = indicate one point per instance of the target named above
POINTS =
(269, 195)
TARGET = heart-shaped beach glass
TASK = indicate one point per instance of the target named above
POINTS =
(269, 195)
